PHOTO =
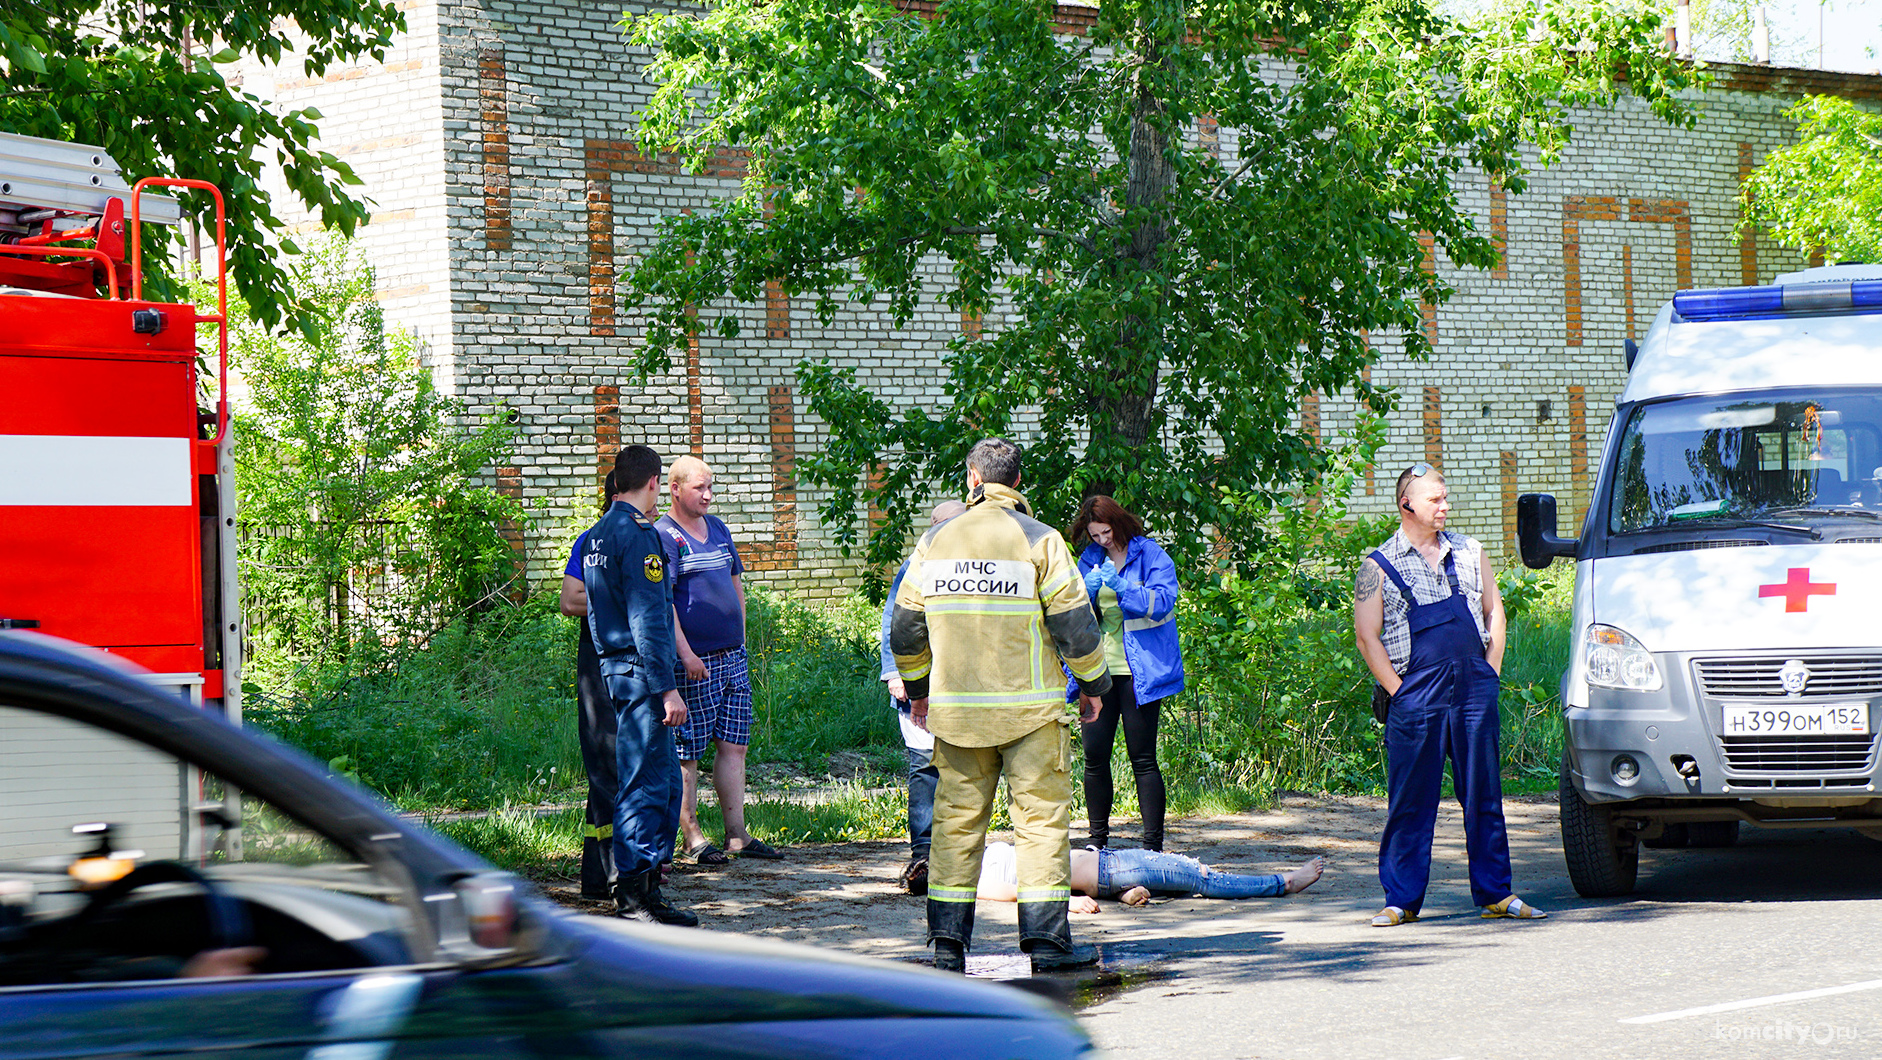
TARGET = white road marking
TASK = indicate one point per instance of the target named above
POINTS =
(1757, 1002)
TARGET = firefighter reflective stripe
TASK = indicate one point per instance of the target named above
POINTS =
(56, 470)
(599, 831)
(937, 893)
(1047, 697)
(1138, 625)
(976, 606)
(1045, 894)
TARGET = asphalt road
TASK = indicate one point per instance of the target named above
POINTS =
(1694, 964)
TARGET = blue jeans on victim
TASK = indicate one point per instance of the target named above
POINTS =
(1173, 874)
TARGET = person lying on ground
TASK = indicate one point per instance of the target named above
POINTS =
(1134, 876)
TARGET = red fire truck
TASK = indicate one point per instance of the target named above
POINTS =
(117, 499)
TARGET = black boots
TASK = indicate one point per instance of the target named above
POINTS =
(637, 897)
(949, 956)
(914, 878)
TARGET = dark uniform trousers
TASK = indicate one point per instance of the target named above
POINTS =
(647, 814)
(1447, 708)
(594, 728)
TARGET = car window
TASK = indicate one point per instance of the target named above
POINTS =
(119, 861)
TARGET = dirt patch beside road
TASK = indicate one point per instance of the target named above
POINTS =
(844, 895)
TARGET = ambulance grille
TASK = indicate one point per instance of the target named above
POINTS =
(1692, 546)
(1797, 754)
(1831, 676)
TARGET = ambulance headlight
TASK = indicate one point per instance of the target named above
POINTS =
(1617, 660)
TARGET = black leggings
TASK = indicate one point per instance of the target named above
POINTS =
(1140, 740)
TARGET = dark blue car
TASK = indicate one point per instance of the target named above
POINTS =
(171, 885)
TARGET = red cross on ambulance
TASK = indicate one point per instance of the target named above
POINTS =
(1797, 590)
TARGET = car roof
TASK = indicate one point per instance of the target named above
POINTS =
(44, 673)
(1719, 356)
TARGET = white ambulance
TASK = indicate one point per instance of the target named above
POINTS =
(1727, 634)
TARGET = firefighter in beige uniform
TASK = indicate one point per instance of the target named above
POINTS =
(992, 601)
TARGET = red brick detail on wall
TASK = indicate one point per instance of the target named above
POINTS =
(780, 553)
(602, 160)
(1434, 427)
(493, 102)
(1627, 285)
(1506, 470)
(1500, 230)
(1747, 243)
(777, 311)
(1579, 208)
(1075, 21)
(510, 484)
(970, 324)
(1578, 451)
(607, 436)
(1370, 471)
(1310, 416)
(1426, 309)
(1816, 258)
(1209, 135)
(695, 404)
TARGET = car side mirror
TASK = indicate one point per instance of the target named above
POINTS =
(481, 921)
(1632, 350)
(1536, 531)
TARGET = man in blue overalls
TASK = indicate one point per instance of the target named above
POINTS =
(1429, 622)
(630, 617)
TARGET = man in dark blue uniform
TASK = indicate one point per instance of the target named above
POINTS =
(630, 617)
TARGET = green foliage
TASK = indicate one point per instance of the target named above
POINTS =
(1160, 314)
(480, 715)
(359, 513)
(1825, 191)
(140, 81)
(815, 690)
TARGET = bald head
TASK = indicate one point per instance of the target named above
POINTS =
(944, 511)
(687, 469)
(690, 480)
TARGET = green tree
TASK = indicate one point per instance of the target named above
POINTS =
(359, 515)
(144, 81)
(1161, 312)
(1825, 191)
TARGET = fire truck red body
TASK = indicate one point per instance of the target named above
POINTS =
(116, 499)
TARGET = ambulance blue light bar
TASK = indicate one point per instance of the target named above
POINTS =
(1763, 303)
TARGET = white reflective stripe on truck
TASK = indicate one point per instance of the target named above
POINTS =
(58, 470)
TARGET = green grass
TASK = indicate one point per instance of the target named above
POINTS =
(483, 717)
(549, 844)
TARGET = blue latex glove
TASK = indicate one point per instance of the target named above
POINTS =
(1108, 574)
(1093, 578)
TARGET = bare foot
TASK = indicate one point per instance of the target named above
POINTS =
(1134, 896)
(1305, 876)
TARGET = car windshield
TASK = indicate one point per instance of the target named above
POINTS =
(110, 850)
(1782, 459)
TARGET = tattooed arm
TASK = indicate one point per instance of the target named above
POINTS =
(1368, 620)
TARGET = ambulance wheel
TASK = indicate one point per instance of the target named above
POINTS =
(1712, 833)
(1603, 860)
(1671, 837)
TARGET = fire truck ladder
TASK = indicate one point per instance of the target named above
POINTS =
(53, 193)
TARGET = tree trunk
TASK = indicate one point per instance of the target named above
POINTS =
(1127, 417)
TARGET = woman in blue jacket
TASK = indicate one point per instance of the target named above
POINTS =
(1132, 585)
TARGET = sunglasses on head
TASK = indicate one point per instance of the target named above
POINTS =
(1419, 470)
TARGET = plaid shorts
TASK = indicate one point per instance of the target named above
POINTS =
(717, 708)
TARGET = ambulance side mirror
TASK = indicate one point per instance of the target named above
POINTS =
(1535, 531)
(1632, 350)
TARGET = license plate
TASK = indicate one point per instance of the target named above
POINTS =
(1825, 719)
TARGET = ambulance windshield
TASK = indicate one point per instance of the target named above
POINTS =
(1790, 457)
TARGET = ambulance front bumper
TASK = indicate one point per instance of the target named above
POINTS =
(1627, 745)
